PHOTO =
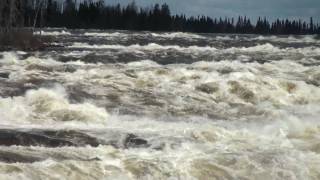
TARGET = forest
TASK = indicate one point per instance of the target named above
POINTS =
(97, 15)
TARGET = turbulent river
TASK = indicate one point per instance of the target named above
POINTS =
(141, 105)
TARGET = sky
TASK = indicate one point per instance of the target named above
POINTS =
(272, 9)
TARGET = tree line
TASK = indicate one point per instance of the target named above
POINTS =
(95, 14)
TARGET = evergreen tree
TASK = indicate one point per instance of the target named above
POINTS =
(95, 14)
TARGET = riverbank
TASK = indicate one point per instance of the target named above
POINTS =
(22, 39)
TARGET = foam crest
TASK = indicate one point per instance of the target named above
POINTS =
(14, 58)
(225, 38)
(149, 47)
(9, 58)
(53, 33)
(178, 35)
(48, 106)
(97, 34)
(264, 48)
(289, 39)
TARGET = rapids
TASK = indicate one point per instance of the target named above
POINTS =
(140, 105)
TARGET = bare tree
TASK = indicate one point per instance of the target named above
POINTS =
(40, 4)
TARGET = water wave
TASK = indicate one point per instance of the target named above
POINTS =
(44, 106)
(53, 33)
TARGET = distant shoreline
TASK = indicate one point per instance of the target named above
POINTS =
(156, 31)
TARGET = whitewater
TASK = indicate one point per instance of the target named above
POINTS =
(99, 105)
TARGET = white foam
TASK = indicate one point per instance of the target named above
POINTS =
(289, 39)
(247, 120)
(143, 63)
(48, 106)
(265, 48)
(191, 150)
(52, 33)
(180, 147)
(12, 59)
(178, 35)
(149, 47)
(102, 34)
(9, 58)
(224, 38)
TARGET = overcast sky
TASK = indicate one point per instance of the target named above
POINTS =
(231, 8)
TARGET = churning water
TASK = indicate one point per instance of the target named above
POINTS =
(140, 105)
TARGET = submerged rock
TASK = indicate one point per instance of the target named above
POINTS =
(46, 138)
(202, 169)
(27, 155)
(133, 141)
(241, 91)
(314, 79)
(64, 68)
(225, 70)
(289, 86)
(12, 157)
(61, 138)
(208, 88)
(4, 75)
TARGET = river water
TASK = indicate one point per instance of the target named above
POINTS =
(141, 105)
